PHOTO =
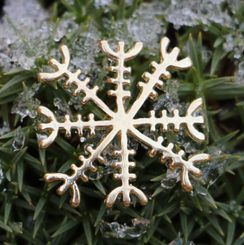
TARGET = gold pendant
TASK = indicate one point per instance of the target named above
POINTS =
(122, 122)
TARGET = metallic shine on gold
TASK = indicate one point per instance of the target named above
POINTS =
(122, 122)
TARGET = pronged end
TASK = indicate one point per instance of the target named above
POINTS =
(169, 61)
(130, 54)
(68, 183)
(188, 167)
(51, 126)
(60, 68)
(125, 192)
(192, 131)
(176, 159)
(124, 175)
(170, 58)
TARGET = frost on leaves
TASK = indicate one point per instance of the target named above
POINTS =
(122, 122)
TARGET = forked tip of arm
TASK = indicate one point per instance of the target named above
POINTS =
(60, 68)
(104, 46)
(170, 58)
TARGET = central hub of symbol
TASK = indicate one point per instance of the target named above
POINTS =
(123, 121)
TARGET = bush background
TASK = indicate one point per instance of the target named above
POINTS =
(211, 33)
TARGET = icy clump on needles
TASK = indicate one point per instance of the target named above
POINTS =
(191, 13)
(122, 123)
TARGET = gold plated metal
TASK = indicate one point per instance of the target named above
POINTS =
(122, 122)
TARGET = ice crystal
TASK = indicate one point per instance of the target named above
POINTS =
(86, 49)
(179, 241)
(235, 208)
(116, 230)
(63, 108)
(26, 103)
(23, 34)
(19, 140)
(102, 3)
(106, 3)
(240, 73)
(101, 171)
(213, 171)
(189, 147)
(235, 5)
(171, 178)
(118, 30)
(75, 102)
(191, 13)
(65, 26)
(170, 99)
(234, 42)
(120, 123)
(1, 175)
(145, 25)
(4, 129)
(25, 12)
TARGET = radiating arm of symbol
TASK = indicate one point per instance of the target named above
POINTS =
(62, 71)
(53, 126)
(120, 70)
(69, 181)
(177, 160)
(189, 120)
(160, 70)
(125, 189)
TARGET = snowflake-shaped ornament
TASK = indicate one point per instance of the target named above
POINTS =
(122, 123)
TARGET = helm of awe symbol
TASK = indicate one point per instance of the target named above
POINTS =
(122, 122)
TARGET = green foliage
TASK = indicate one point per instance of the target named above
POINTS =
(32, 213)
